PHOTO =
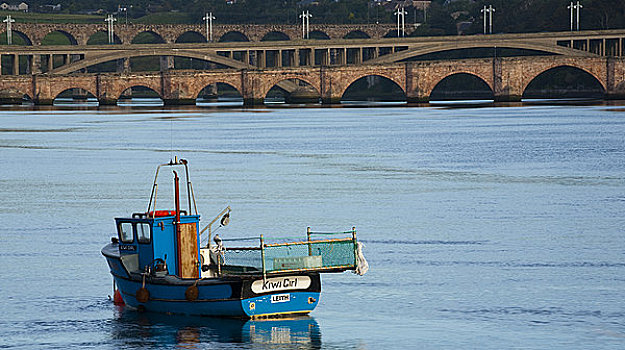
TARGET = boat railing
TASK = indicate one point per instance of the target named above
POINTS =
(323, 255)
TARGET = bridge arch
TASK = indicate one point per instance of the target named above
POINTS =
(202, 82)
(318, 35)
(25, 40)
(55, 37)
(150, 84)
(16, 94)
(482, 73)
(534, 71)
(57, 94)
(475, 87)
(78, 65)
(147, 37)
(58, 89)
(191, 36)
(357, 34)
(397, 76)
(268, 82)
(233, 36)
(304, 90)
(275, 35)
(564, 81)
(392, 85)
(391, 34)
(217, 92)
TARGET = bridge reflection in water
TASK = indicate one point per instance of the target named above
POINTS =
(136, 330)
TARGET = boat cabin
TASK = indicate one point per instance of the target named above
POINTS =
(153, 242)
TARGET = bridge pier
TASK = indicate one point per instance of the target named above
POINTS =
(107, 102)
(167, 63)
(178, 101)
(508, 98)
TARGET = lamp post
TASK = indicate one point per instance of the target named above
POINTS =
(208, 18)
(488, 12)
(570, 7)
(110, 19)
(305, 16)
(577, 7)
(8, 21)
(125, 10)
(401, 22)
(491, 11)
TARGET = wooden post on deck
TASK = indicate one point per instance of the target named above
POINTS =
(309, 246)
(262, 255)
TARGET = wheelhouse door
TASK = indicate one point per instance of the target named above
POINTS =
(188, 251)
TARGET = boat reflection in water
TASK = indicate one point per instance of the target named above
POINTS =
(136, 329)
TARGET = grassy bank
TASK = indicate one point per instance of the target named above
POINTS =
(32, 17)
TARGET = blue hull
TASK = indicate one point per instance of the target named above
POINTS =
(171, 299)
(231, 296)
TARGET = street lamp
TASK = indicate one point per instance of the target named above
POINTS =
(8, 21)
(576, 7)
(209, 26)
(401, 21)
(125, 10)
(488, 12)
(305, 16)
(110, 19)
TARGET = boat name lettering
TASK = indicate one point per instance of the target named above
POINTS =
(131, 248)
(280, 283)
(280, 298)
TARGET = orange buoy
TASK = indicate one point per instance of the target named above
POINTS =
(143, 295)
(191, 293)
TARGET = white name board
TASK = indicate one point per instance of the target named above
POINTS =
(280, 283)
(280, 298)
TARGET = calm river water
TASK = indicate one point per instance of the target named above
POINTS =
(490, 228)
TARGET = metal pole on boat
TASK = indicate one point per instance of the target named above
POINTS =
(355, 246)
(262, 256)
(177, 220)
(186, 171)
(309, 246)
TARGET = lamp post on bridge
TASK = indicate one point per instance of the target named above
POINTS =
(110, 19)
(575, 7)
(305, 16)
(125, 10)
(208, 18)
(401, 22)
(8, 21)
(488, 11)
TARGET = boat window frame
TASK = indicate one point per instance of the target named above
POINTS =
(120, 232)
(140, 226)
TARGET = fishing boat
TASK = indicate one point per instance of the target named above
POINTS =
(162, 261)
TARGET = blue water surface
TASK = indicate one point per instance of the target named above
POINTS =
(490, 228)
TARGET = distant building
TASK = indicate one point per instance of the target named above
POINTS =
(22, 6)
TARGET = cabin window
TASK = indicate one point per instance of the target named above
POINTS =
(143, 233)
(125, 232)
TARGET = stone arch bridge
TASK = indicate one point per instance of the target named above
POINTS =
(315, 53)
(79, 34)
(507, 78)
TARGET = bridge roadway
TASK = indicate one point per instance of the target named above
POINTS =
(507, 77)
(295, 53)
